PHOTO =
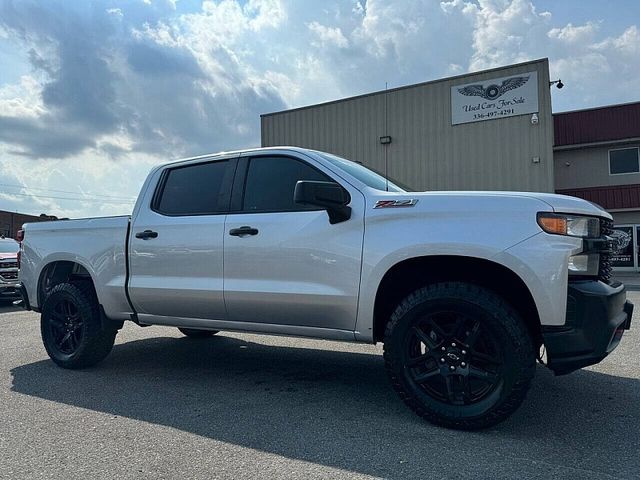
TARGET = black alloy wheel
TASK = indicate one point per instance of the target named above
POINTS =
(72, 329)
(453, 358)
(66, 326)
(458, 355)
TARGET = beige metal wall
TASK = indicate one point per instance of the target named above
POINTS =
(589, 167)
(427, 152)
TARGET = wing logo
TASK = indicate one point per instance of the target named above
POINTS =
(493, 91)
(620, 241)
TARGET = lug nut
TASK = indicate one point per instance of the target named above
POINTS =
(464, 352)
(462, 364)
(453, 345)
(442, 360)
(443, 349)
(452, 368)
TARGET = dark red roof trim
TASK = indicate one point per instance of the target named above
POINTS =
(602, 124)
(611, 198)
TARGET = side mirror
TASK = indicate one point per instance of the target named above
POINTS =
(328, 195)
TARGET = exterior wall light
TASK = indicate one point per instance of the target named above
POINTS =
(386, 140)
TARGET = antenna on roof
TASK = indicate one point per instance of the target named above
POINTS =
(386, 133)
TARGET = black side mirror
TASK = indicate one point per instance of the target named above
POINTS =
(328, 195)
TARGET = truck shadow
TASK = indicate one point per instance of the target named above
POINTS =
(336, 408)
(7, 306)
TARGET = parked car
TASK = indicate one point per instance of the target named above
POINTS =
(9, 286)
(463, 288)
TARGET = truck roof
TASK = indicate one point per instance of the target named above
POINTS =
(238, 152)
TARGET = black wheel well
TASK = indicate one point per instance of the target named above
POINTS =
(409, 275)
(59, 272)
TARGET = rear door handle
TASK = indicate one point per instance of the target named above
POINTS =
(147, 234)
(243, 231)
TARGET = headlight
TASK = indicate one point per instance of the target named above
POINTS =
(584, 264)
(572, 225)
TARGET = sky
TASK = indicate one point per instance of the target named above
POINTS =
(95, 93)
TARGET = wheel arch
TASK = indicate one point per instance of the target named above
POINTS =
(412, 273)
(61, 271)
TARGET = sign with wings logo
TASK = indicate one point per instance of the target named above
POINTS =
(496, 98)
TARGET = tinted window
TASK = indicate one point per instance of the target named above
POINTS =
(194, 190)
(623, 161)
(271, 182)
(366, 175)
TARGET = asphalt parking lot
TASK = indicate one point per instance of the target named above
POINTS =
(248, 406)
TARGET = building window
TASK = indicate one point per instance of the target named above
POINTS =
(623, 160)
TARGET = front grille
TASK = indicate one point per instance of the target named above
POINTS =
(8, 265)
(9, 275)
(605, 269)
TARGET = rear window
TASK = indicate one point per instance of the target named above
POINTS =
(194, 190)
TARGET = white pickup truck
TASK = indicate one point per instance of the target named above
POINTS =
(466, 289)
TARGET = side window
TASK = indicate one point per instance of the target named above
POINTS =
(271, 182)
(194, 190)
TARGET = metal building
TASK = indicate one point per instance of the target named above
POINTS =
(489, 130)
(597, 157)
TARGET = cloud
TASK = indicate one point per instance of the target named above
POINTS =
(172, 90)
(596, 69)
(111, 82)
(115, 11)
(328, 36)
(573, 34)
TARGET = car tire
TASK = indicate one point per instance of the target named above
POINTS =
(197, 333)
(71, 326)
(458, 355)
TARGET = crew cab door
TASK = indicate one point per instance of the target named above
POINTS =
(176, 243)
(285, 263)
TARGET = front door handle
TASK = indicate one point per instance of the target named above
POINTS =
(243, 231)
(147, 234)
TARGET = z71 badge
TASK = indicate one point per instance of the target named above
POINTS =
(396, 203)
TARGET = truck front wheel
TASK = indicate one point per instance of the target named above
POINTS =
(458, 355)
(71, 327)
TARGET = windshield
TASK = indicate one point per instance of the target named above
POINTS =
(8, 245)
(366, 175)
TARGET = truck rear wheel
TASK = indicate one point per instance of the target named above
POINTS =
(458, 355)
(71, 327)
(196, 333)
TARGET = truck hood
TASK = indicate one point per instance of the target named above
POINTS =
(552, 201)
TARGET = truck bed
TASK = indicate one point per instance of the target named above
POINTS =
(98, 244)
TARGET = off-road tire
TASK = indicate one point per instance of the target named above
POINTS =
(197, 333)
(500, 321)
(93, 341)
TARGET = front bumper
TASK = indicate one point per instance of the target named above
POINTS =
(597, 315)
(9, 291)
